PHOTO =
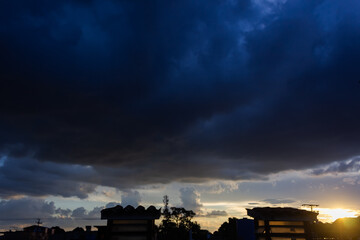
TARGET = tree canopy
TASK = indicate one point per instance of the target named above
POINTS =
(177, 224)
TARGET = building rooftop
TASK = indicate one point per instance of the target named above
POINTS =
(129, 212)
(35, 228)
(282, 214)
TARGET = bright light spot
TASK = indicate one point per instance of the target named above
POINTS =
(331, 214)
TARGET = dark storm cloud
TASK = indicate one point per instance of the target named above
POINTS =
(30, 177)
(137, 92)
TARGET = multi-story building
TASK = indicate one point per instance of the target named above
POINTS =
(130, 223)
(282, 223)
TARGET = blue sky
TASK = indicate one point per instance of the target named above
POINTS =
(211, 102)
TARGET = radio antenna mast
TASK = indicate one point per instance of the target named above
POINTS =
(310, 205)
(38, 222)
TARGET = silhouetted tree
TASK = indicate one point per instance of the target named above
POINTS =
(227, 231)
(177, 223)
(182, 217)
(166, 212)
(342, 228)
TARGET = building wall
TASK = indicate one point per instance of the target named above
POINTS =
(282, 230)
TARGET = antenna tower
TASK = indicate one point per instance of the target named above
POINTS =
(310, 205)
(38, 222)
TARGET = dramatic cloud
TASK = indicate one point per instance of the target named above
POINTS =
(24, 211)
(26, 176)
(26, 208)
(129, 93)
(190, 199)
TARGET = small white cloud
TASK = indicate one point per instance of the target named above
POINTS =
(216, 213)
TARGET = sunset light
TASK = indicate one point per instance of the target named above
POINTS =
(331, 214)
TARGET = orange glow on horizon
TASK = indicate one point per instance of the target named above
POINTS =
(331, 214)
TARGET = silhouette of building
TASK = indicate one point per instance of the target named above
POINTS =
(282, 223)
(130, 223)
(55, 233)
(34, 232)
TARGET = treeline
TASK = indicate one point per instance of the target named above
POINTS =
(342, 228)
(227, 231)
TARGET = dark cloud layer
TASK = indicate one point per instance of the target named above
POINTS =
(133, 92)
(27, 176)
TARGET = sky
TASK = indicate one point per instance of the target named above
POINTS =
(221, 105)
